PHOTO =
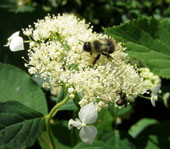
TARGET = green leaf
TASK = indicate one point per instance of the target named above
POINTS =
(156, 136)
(137, 128)
(105, 121)
(95, 145)
(38, 80)
(117, 140)
(18, 85)
(124, 110)
(20, 126)
(59, 128)
(147, 40)
(45, 142)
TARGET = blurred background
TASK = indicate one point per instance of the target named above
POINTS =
(18, 14)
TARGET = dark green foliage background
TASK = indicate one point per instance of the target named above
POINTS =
(143, 126)
(101, 13)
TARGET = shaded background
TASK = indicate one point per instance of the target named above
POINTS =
(18, 14)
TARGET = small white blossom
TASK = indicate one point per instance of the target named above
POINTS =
(87, 115)
(72, 96)
(15, 42)
(166, 97)
(71, 90)
(155, 91)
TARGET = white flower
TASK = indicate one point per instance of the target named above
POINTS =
(15, 42)
(87, 115)
(155, 90)
(166, 97)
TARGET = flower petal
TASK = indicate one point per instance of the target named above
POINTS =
(87, 134)
(153, 100)
(155, 89)
(16, 34)
(88, 113)
(16, 44)
(76, 123)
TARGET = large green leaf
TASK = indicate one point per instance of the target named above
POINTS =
(45, 142)
(61, 127)
(137, 128)
(104, 123)
(18, 85)
(155, 136)
(95, 145)
(19, 125)
(147, 40)
(117, 140)
(110, 140)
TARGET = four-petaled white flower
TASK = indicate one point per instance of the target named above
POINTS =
(15, 42)
(87, 115)
(155, 90)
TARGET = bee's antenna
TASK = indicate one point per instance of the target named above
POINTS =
(81, 40)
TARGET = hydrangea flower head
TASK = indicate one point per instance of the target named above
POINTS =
(57, 55)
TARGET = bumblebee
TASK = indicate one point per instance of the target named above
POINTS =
(101, 47)
(122, 101)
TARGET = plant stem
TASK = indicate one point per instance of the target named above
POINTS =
(45, 140)
(26, 41)
(115, 117)
(55, 109)
(48, 117)
(52, 144)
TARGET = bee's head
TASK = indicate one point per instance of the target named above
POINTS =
(87, 47)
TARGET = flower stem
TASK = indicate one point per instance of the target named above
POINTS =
(52, 144)
(115, 117)
(26, 41)
(48, 117)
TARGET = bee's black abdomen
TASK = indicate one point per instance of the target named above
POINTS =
(111, 46)
(97, 45)
(87, 47)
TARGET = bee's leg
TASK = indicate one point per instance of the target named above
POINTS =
(95, 60)
(107, 55)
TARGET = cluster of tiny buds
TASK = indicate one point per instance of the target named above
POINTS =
(71, 92)
(150, 80)
(101, 105)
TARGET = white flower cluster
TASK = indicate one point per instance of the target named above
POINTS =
(56, 53)
(151, 82)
